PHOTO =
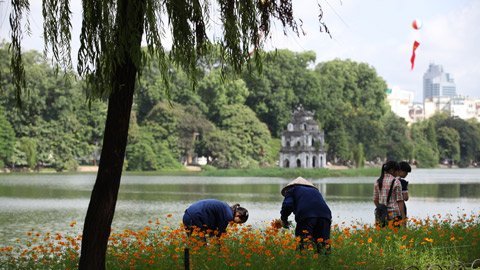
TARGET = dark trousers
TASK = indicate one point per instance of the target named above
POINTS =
(313, 230)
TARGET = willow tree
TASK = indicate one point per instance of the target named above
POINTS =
(110, 59)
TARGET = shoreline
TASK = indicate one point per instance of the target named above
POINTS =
(329, 171)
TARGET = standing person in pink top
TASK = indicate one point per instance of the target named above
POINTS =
(382, 187)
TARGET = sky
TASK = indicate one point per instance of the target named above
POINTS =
(376, 32)
(379, 33)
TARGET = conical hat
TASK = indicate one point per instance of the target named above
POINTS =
(298, 181)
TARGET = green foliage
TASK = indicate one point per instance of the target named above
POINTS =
(248, 137)
(147, 149)
(7, 139)
(449, 143)
(359, 156)
(151, 90)
(347, 98)
(64, 128)
(25, 153)
(218, 92)
(182, 127)
(271, 153)
(352, 97)
(469, 138)
(424, 155)
(425, 150)
(148, 155)
(397, 144)
(339, 148)
(284, 83)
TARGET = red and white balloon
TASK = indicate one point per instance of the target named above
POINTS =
(417, 24)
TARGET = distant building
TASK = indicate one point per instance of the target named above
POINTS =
(401, 103)
(437, 83)
(303, 142)
(439, 96)
(465, 108)
(435, 105)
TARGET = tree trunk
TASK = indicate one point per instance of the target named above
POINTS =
(101, 209)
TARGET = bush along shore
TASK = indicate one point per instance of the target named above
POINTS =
(437, 242)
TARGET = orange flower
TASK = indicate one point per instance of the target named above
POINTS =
(276, 224)
(429, 240)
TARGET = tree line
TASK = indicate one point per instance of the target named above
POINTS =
(236, 121)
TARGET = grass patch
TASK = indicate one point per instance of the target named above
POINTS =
(289, 173)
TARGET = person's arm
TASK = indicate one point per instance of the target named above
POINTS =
(401, 205)
(375, 195)
(287, 207)
(397, 189)
(404, 189)
(225, 215)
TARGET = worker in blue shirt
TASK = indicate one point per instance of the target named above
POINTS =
(212, 216)
(312, 214)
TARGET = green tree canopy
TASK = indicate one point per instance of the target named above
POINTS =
(397, 143)
(353, 97)
(7, 139)
(449, 144)
(278, 89)
(218, 92)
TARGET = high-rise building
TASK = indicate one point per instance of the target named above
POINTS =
(437, 83)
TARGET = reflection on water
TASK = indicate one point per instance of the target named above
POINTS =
(51, 202)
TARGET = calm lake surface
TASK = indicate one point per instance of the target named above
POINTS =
(50, 203)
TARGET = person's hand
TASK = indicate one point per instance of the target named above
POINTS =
(286, 224)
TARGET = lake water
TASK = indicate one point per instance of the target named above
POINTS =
(51, 202)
